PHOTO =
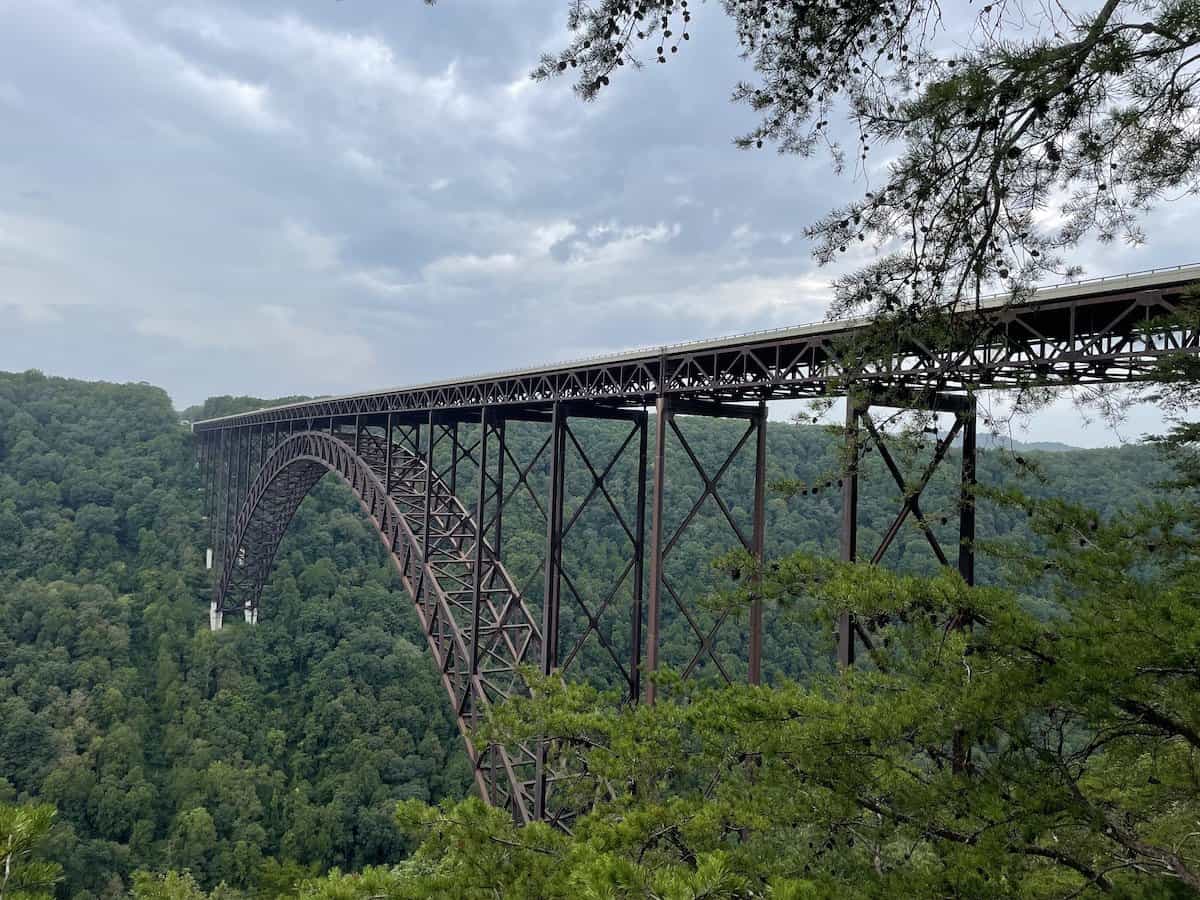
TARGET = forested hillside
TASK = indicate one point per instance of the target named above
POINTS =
(161, 744)
(257, 756)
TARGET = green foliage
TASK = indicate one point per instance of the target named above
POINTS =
(981, 750)
(23, 831)
(161, 744)
(269, 762)
(171, 886)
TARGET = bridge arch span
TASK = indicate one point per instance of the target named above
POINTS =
(476, 656)
(263, 462)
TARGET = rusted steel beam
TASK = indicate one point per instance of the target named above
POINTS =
(639, 570)
(1104, 332)
(966, 502)
(754, 670)
(662, 411)
(848, 535)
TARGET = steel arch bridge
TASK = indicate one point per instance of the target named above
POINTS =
(433, 468)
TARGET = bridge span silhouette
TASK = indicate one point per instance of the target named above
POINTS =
(431, 467)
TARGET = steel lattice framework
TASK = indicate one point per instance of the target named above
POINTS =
(433, 469)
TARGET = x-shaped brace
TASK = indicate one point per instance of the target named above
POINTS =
(711, 489)
(912, 495)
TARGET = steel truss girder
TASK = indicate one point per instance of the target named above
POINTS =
(1111, 335)
(391, 448)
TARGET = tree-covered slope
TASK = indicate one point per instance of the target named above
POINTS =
(248, 755)
(160, 743)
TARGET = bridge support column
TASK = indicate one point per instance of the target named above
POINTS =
(639, 564)
(250, 607)
(489, 505)
(455, 455)
(552, 594)
(225, 491)
(208, 463)
(389, 445)
(758, 539)
(966, 502)
(426, 525)
(848, 549)
(496, 526)
(961, 752)
(222, 512)
(662, 410)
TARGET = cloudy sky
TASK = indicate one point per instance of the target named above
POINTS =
(316, 196)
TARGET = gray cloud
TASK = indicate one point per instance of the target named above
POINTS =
(314, 197)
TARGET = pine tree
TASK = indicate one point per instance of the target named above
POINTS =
(23, 831)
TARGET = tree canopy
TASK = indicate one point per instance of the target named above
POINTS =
(1012, 129)
(270, 761)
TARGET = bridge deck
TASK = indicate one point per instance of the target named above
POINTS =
(1091, 331)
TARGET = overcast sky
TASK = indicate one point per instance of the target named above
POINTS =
(315, 197)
